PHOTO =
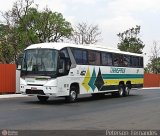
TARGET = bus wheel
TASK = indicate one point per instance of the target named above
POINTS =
(72, 95)
(42, 98)
(121, 91)
(127, 91)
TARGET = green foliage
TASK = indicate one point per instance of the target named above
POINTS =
(6, 50)
(45, 26)
(26, 25)
(130, 42)
(6, 53)
(153, 66)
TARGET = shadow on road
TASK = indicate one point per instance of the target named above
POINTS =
(81, 99)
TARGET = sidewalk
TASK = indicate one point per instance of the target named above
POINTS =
(147, 88)
(12, 95)
(20, 95)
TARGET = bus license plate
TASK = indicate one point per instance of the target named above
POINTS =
(33, 88)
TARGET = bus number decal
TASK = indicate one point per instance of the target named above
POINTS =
(118, 70)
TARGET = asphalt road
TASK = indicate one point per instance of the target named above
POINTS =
(140, 110)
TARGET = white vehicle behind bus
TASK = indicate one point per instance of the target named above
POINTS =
(68, 70)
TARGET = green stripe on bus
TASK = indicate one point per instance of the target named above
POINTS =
(121, 76)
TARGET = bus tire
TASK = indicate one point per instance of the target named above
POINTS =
(121, 90)
(127, 91)
(72, 95)
(42, 98)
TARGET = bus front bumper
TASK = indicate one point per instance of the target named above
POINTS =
(38, 90)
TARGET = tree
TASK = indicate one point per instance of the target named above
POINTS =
(129, 40)
(27, 25)
(6, 50)
(154, 65)
(86, 34)
(12, 34)
(45, 26)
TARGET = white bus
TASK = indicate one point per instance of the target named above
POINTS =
(68, 70)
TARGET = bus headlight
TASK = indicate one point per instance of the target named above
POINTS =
(49, 88)
(22, 86)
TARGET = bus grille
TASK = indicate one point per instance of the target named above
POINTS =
(29, 91)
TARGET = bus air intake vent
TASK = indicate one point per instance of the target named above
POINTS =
(29, 91)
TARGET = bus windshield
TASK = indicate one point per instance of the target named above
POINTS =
(40, 62)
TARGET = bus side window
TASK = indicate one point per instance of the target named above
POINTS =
(141, 62)
(107, 59)
(135, 61)
(94, 58)
(126, 60)
(64, 54)
(115, 59)
(120, 60)
(131, 61)
(80, 56)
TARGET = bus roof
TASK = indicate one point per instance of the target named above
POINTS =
(59, 46)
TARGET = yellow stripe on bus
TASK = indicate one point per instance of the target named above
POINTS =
(116, 81)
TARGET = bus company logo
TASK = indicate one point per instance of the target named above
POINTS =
(4, 132)
(118, 70)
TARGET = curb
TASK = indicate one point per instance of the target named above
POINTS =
(20, 95)
(148, 88)
(12, 96)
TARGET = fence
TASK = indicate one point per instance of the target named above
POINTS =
(7, 78)
(151, 80)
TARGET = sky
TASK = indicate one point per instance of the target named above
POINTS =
(111, 16)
